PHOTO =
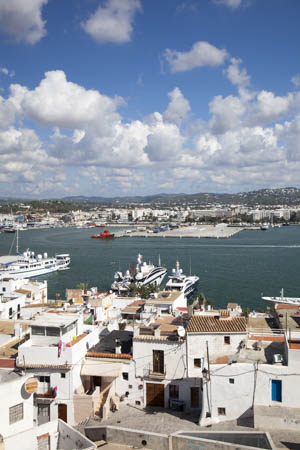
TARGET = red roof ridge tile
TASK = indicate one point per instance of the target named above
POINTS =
(109, 355)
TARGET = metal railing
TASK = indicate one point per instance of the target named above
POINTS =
(151, 373)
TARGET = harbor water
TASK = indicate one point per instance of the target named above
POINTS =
(238, 269)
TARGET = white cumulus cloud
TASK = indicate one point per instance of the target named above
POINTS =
(230, 3)
(22, 19)
(59, 102)
(238, 76)
(113, 22)
(178, 107)
(201, 54)
(296, 80)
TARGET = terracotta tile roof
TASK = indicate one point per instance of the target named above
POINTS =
(131, 310)
(220, 360)
(137, 303)
(224, 312)
(232, 305)
(7, 363)
(284, 306)
(144, 337)
(294, 345)
(109, 355)
(44, 366)
(209, 324)
(267, 338)
(78, 338)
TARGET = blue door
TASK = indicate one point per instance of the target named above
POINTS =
(276, 390)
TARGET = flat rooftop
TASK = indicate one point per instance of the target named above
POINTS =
(260, 350)
(53, 320)
(289, 318)
(164, 297)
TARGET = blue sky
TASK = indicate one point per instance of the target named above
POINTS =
(134, 97)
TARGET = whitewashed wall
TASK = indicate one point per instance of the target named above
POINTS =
(197, 348)
(12, 393)
(252, 386)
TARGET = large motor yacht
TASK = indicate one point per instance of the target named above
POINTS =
(182, 283)
(27, 265)
(140, 274)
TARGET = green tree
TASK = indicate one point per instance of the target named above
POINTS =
(82, 286)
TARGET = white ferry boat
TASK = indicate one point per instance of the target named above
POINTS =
(182, 283)
(140, 274)
(27, 265)
(282, 299)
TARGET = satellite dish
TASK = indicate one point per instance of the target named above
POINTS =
(181, 331)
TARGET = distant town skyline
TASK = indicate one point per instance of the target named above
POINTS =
(136, 97)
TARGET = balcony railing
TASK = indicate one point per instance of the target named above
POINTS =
(149, 372)
(51, 393)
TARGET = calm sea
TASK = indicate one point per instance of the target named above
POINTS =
(238, 269)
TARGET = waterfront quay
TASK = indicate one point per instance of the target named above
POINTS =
(220, 231)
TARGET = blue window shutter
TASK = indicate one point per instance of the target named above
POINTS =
(276, 391)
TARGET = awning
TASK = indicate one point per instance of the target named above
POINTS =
(101, 369)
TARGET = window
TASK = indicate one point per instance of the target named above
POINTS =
(227, 340)
(173, 391)
(16, 413)
(231, 380)
(68, 328)
(38, 331)
(44, 379)
(197, 363)
(51, 331)
(62, 375)
(221, 412)
(125, 376)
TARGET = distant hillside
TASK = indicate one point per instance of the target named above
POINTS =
(289, 196)
(282, 196)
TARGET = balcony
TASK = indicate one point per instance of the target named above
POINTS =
(47, 397)
(156, 374)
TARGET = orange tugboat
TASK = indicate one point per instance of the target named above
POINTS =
(105, 235)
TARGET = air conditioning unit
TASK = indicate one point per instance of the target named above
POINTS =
(277, 358)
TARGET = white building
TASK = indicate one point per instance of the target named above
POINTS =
(260, 381)
(159, 353)
(216, 336)
(18, 426)
(167, 302)
(54, 353)
(16, 293)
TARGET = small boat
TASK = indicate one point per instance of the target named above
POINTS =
(9, 230)
(105, 235)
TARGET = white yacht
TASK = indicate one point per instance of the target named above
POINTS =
(140, 274)
(182, 283)
(282, 299)
(27, 265)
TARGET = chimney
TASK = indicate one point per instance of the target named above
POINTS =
(118, 346)
(157, 331)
